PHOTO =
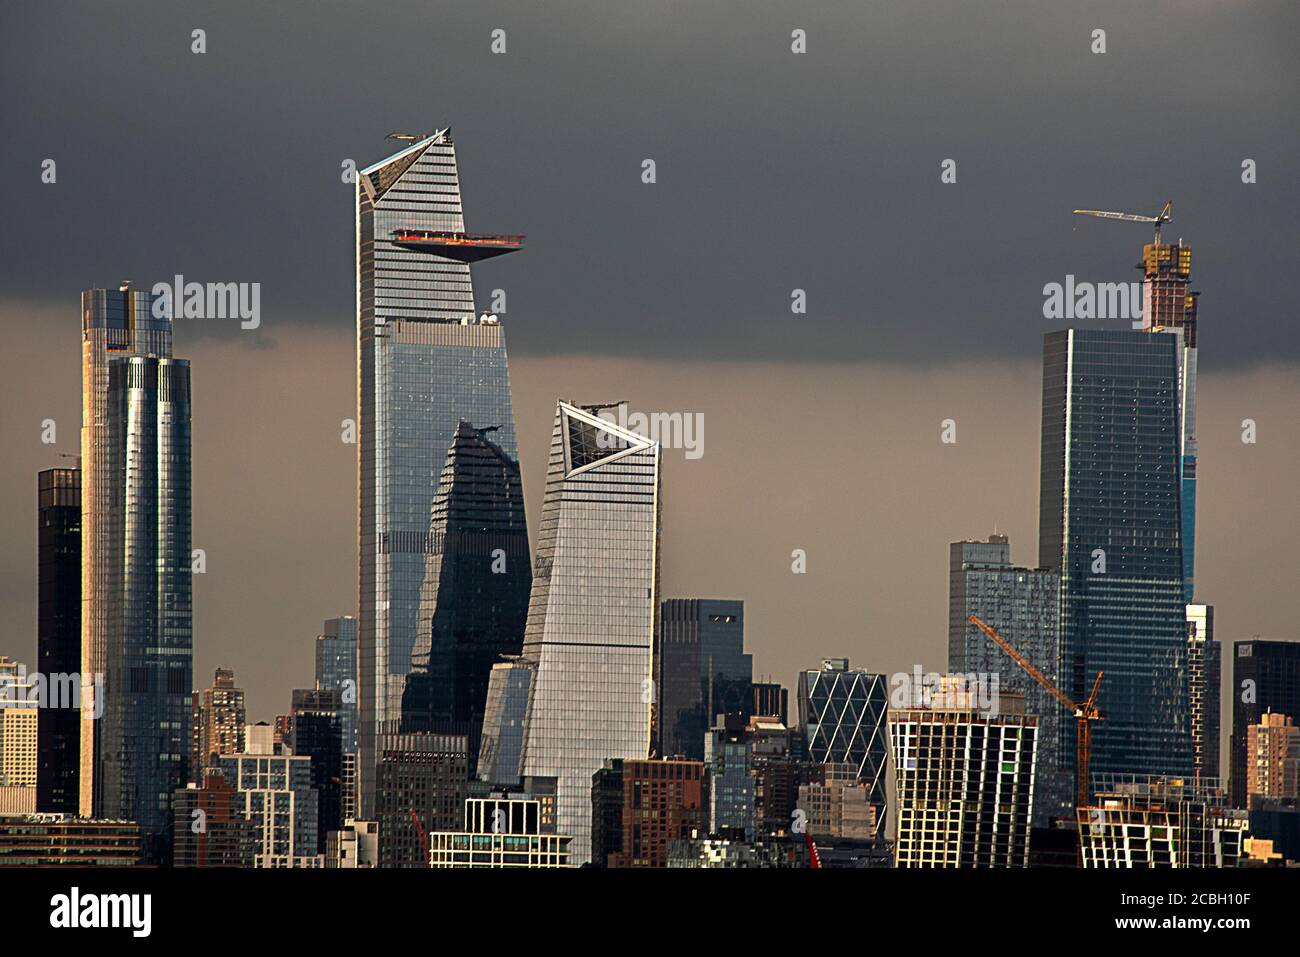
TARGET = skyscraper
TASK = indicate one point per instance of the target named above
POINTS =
(701, 671)
(115, 325)
(1265, 677)
(58, 638)
(1110, 524)
(964, 780)
(145, 731)
(217, 720)
(1204, 670)
(426, 362)
(1024, 605)
(842, 712)
(336, 670)
(591, 618)
(475, 593)
(316, 732)
(1168, 305)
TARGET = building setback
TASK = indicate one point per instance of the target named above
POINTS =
(58, 638)
(426, 361)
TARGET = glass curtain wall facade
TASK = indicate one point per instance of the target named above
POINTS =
(115, 324)
(58, 637)
(1110, 523)
(702, 671)
(1023, 605)
(591, 618)
(425, 362)
(505, 716)
(472, 607)
(843, 716)
(336, 670)
(145, 746)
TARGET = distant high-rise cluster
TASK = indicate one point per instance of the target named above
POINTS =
(495, 705)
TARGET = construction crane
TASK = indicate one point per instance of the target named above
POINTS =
(422, 834)
(1084, 714)
(1166, 215)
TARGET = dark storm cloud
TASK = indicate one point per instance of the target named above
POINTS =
(775, 171)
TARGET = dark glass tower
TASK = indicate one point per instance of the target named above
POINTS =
(1265, 677)
(58, 637)
(336, 670)
(475, 595)
(425, 362)
(318, 733)
(701, 670)
(1110, 524)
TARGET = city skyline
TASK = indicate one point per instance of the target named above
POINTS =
(464, 609)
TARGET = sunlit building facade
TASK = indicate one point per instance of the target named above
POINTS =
(426, 361)
(591, 619)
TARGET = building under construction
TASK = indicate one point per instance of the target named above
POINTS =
(1141, 821)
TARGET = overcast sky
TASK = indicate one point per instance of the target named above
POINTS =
(775, 171)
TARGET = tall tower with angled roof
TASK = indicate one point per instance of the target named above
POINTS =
(425, 362)
(591, 617)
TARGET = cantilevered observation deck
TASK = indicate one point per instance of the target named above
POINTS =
(462, 247)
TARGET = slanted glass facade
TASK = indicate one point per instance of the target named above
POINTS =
(425, 363)
(475, 593)
(1110, 523)
(591, 618)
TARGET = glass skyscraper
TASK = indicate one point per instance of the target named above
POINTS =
(336, 670)
(1110, 523)
(426, 362)
(591, 618)
(843, 715)
(58, 637)
(137, 621)
(115, 323)
(472, 603)
(1023, 604)
(702, 671)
